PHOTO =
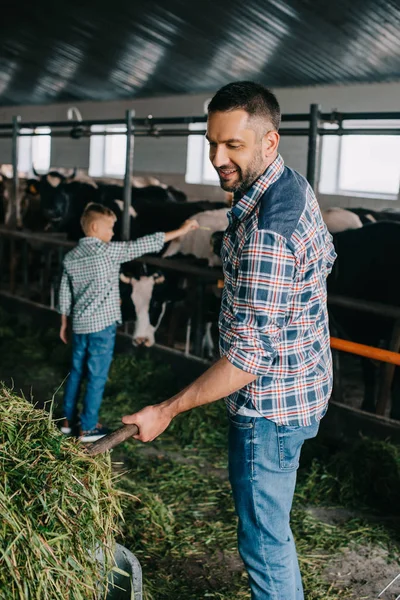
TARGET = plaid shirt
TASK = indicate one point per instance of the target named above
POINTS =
(90, 282)
(277, 254)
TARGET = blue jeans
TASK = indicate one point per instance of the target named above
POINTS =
(92, 355)
(263, 462)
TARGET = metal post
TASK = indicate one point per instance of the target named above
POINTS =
(14, 159)
(199, 319)
(128, 177)
(313, 144)
(387, 373)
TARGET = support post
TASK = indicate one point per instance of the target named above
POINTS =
(128, 176)
(387, 373)
(199, 319)
(313, 144)
(14, 160)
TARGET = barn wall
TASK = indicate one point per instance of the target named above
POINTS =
(166, 157)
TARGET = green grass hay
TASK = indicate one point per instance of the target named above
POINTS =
(57, 508)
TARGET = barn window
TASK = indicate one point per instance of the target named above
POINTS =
(107, 152)
(34, 150)
(361, 165)
(198, 166)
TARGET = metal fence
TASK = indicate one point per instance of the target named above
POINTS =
(31, 267)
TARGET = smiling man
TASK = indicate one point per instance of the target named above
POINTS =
(275, 370)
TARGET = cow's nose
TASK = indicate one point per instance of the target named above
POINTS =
(142, 341)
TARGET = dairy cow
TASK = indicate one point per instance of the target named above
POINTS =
(368, 260)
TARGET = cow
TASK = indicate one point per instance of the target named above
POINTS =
(340, 219)
(368, 260)
(145, 294)
(368, 216)
(63, 204)
(143, 287)
(151, 208)
(198, 243)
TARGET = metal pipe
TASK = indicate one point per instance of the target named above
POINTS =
(290, 132)
(313, 144)
(375, 308)
(199, 319)
(128, 177)
(290, 117)
(14, 160)
(366, 351)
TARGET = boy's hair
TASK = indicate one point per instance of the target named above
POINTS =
(92, 212)
(252, 97)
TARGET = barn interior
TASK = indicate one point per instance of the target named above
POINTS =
(110, 102)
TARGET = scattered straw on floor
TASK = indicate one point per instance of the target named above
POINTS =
(57, 509)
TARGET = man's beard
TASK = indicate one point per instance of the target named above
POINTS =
(245, 178)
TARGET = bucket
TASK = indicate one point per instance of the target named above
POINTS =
(126, 588)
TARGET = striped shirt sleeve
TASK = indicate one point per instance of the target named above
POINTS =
(65, 295)
(125, 251)
(265, 276)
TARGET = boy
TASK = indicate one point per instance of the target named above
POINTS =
(90, 290)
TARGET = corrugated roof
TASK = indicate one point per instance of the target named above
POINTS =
(53, 51)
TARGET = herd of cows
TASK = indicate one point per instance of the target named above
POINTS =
(367, 244)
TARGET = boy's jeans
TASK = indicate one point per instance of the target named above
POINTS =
(91, 354)
(263, 461)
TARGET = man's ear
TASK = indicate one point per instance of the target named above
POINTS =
(270, 143)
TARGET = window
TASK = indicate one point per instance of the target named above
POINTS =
(361, 165)
(107, 152)
(34, 150)
(198, 166)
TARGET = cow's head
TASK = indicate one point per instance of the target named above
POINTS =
(48, 185)
(144, 300)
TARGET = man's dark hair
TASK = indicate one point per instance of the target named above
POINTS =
(252, 97)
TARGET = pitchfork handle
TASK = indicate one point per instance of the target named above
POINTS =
(113, 439)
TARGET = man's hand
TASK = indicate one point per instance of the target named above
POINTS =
(188, 225)
(151, 421)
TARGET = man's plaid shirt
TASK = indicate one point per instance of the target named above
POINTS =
(90, 282)
(277, 254)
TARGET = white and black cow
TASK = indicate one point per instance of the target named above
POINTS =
(145, 294)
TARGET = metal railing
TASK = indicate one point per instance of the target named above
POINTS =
(50, 250)
(22, 252)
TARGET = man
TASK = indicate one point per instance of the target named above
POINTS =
(275, 370)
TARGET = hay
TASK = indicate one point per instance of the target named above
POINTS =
(57, 509)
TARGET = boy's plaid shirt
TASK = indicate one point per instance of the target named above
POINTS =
(90, 282)
(277, 254)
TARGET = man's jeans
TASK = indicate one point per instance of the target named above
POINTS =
(92, 355)
(263, 461)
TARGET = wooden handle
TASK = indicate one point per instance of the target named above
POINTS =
(113, 439)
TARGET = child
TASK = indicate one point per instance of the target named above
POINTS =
(90, 291)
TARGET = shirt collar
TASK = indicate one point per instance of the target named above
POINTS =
(244, 205)
(89, 240)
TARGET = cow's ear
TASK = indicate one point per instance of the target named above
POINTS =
(158, 278)
(125, 279)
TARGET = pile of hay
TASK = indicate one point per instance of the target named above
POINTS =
(57, 510)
